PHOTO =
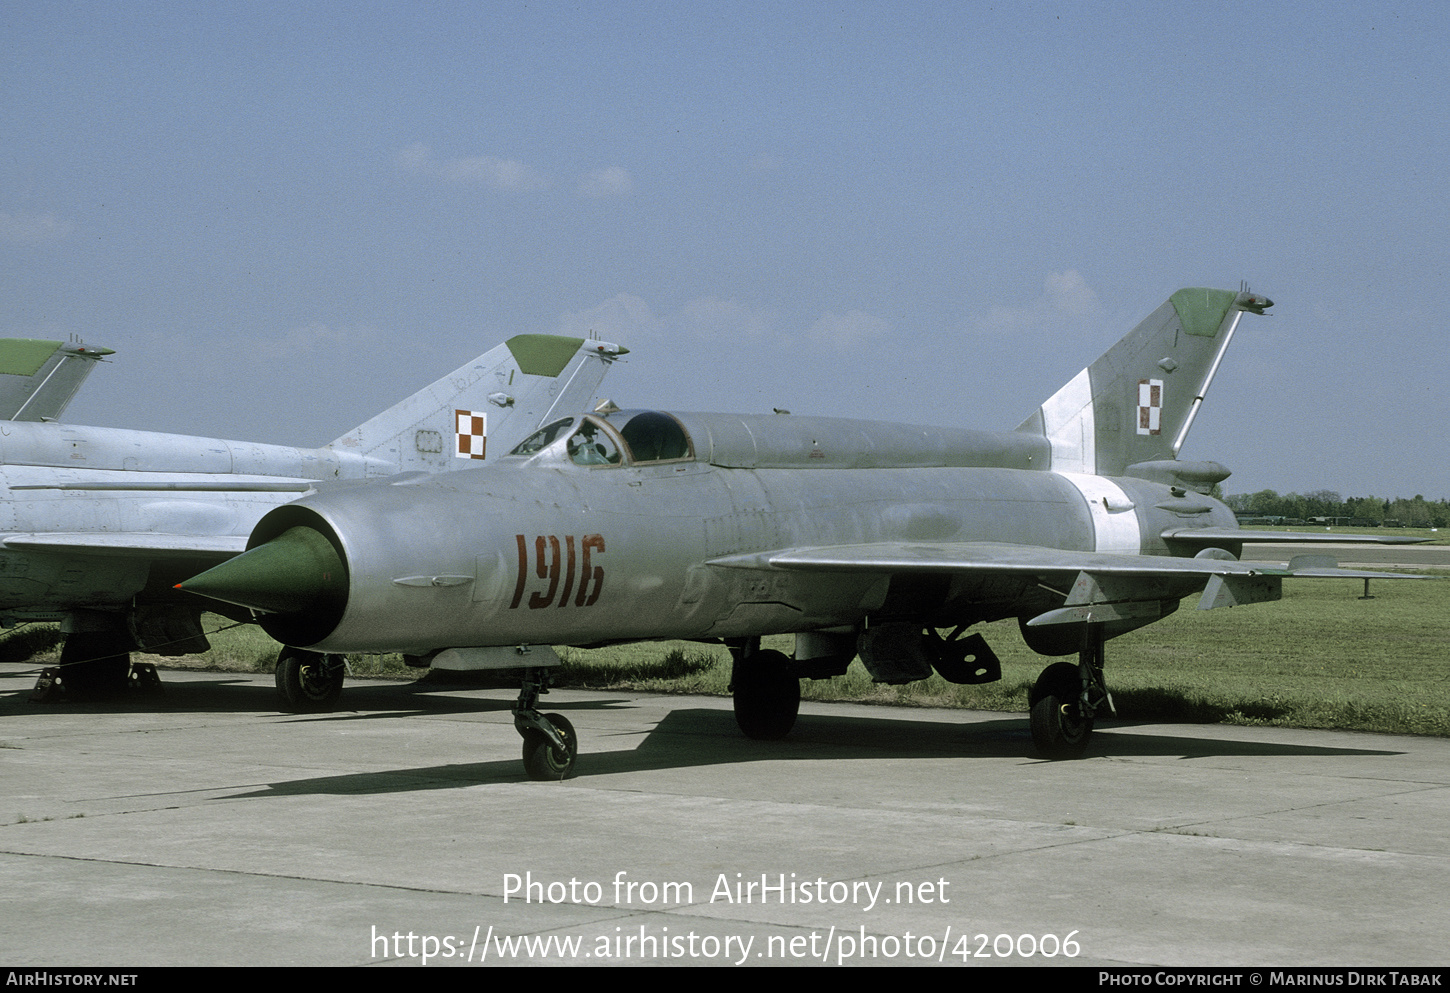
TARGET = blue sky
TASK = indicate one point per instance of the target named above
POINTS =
(285, 217)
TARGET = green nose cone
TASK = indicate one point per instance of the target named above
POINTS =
(297, 572)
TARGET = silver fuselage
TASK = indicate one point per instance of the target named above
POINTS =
(540, 550)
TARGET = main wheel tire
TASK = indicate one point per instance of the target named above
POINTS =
(95, 665)
(767, 696)
(1060, 729)
(100, 679)
(542, 759)
(309, 682)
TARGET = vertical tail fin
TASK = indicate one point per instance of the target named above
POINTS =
(1137, 402)
(485, 407)
(38, 379)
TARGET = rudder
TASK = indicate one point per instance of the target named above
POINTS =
(1137, 402)
(38, 379)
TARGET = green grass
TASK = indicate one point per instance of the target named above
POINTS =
(1320, 658)
(1429, 536)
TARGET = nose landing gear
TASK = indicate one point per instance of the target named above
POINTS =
(309, 682)
(550, 744)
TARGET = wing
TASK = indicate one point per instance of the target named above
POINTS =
(132, 544)
(178, 531)
(1000, 557)
(1099, 586)
(171, 539)
(1205, 537)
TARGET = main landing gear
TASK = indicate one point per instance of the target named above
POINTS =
(767, 693)
(309, 682)
(550, 745)
(1066, 699)
(95, 665)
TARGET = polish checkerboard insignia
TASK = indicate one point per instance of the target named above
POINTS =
(472, 433)
(1150, 406)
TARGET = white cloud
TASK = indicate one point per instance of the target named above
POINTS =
(610, 182)
(711, 317)
(312, 338)
(625, 318)
(619, 319)
(1066, 299)
(482, 170)
(849, 330)
(33, 229)
(415, 158)
(1068, 293)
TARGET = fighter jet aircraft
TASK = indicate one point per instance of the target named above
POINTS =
(99, 524)
(859, 538)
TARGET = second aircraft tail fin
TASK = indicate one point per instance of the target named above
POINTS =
(485, 407)
(38, 379)
(1138, 400)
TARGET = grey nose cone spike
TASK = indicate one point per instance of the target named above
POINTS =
(296, 572)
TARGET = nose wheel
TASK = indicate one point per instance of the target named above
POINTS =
(551, 757)
(309, 682)
(550, 744)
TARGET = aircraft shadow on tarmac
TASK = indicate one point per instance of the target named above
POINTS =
(687, 737)
(240, 693)
(706, 737)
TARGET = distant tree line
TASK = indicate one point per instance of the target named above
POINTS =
(1369, 511)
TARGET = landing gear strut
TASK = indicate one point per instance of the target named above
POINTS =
(550, 745)
(1067, 698)
(767, 693)
(309, 682)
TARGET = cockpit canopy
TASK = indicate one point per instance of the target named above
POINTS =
(652, 436)
(633, 436)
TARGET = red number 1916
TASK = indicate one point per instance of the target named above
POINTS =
(554, 560)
